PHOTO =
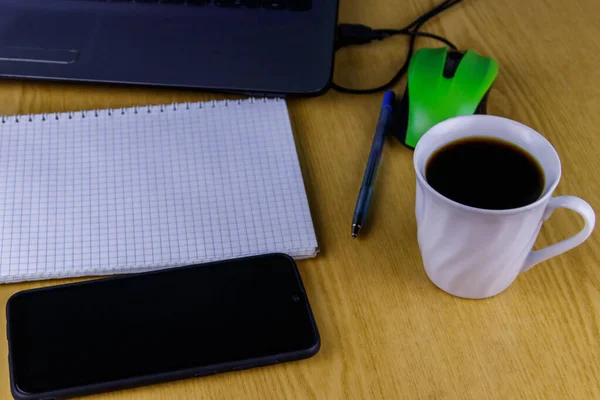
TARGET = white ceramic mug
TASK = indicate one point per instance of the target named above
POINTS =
(477, 253)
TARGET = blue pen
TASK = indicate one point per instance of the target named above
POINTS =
(366, 189)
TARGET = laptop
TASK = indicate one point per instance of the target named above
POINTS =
(260, 47)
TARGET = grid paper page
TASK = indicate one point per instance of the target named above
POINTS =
(125, 190)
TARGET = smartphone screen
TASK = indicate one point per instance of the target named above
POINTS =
(171, 323)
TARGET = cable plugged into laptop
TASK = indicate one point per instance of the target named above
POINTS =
(357, 34)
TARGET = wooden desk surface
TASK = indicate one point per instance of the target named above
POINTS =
(387, 332)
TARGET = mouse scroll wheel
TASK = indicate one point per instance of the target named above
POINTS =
(452, 60)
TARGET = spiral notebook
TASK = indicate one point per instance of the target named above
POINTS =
(126, 190)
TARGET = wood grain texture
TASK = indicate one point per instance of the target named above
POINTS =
(387, 332)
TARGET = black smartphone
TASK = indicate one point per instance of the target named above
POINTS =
(107, 334)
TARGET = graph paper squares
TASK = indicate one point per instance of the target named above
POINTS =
(114, 191)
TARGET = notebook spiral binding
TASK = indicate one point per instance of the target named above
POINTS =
(135, 110)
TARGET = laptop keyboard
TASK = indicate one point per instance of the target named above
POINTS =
(292, 5)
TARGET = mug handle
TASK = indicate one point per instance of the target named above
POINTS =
(572, 203)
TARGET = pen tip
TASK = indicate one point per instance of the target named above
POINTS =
(355, 230)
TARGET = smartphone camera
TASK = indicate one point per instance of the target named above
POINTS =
(298, 297)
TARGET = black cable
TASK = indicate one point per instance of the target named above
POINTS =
(436, 37)
(446, 4)
(392, 32)
(352, 34)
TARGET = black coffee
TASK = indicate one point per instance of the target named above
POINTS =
(485, 173)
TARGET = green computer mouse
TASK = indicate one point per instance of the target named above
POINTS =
(442, 84)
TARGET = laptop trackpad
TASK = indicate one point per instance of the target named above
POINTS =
(44, 36)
